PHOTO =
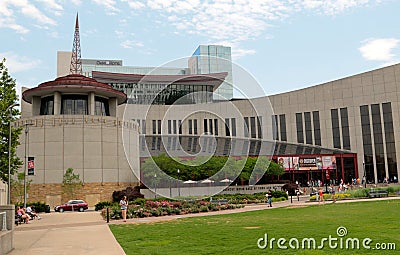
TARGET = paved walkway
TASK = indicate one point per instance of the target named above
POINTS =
(87, 233)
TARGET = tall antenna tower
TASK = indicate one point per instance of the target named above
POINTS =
(76, 62)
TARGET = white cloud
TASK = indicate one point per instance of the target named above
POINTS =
(16, 63)
(76, 2)
(128, 44)
(379, 49)
(333, 7)
(135, 4)
(109, 5)
(11, 24)
(52, 6)
(238, 20)
(9, 7)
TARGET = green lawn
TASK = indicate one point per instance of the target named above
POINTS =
(238, 233)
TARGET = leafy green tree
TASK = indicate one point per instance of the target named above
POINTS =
(8, 97)
(71, 184)
(18, 187)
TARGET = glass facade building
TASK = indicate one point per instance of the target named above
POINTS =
(208, 59)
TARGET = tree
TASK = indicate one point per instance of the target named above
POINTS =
(8, 97)
(18, 187)
(71, 183)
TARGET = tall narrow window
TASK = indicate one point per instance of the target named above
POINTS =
(389, 139)
(143, 126)
(299, 127)
(246, 126)
(233, 126)
(195, 126)
(215, 126)
(190, 126)
(308, 127)
(335, 128)
(275, 127)
(367, 143)
(259, 127)
(210, 126)
(253, 127)
(169, 127)
(282, 125)
(154, 126)
(345, 128)
(159, 126)
(180, 126)
(378, 142)
(227, 131)
(317, 128)
(205, 126)
(174, 126)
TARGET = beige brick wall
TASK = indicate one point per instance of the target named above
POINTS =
(92, 193)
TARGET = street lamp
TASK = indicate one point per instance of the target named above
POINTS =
(155, 185)
(26, 164)
(179, 186)
(9, 154)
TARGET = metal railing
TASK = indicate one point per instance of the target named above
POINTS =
(4, 225)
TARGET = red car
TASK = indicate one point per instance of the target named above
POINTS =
(72, 205)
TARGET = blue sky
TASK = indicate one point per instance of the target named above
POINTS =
(285, 45)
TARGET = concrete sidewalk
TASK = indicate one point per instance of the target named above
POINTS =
(66, 233)
(87, 233)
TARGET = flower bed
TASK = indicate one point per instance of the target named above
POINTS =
(152, 208)
(359, 193)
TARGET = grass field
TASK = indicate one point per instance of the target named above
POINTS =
(239, 233)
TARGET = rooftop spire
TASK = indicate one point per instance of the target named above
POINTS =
(76, 62)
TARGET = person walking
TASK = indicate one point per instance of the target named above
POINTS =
(321, 196)
(333, 193)
(269, 196)
(124, 207)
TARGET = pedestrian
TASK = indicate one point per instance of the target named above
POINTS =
(269, 196)
(333, 193)
(321, 196)
(124, 207)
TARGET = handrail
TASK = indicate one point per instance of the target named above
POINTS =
(4, 227)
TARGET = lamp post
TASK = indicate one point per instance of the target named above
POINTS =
(26, 159)
(9, 154)
(179, 186)
(155, 185)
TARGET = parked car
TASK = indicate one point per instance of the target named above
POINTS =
(72, 205)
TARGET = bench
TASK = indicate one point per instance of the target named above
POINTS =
(18, 219)
(219, 201)
(378, 193)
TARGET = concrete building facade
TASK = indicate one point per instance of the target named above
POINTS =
(357, 114)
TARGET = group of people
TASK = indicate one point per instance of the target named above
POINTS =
(27, 214)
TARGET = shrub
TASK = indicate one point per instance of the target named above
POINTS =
(203, 208)
(100, 205)
(38, 206)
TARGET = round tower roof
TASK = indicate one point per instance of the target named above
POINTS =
(73, 83)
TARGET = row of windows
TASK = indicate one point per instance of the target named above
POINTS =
(174, 126)
(75, 105)
(164, 94)
(210, 126)
(340, 124)
(253, 127)
(383, 138)
(311, 123)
